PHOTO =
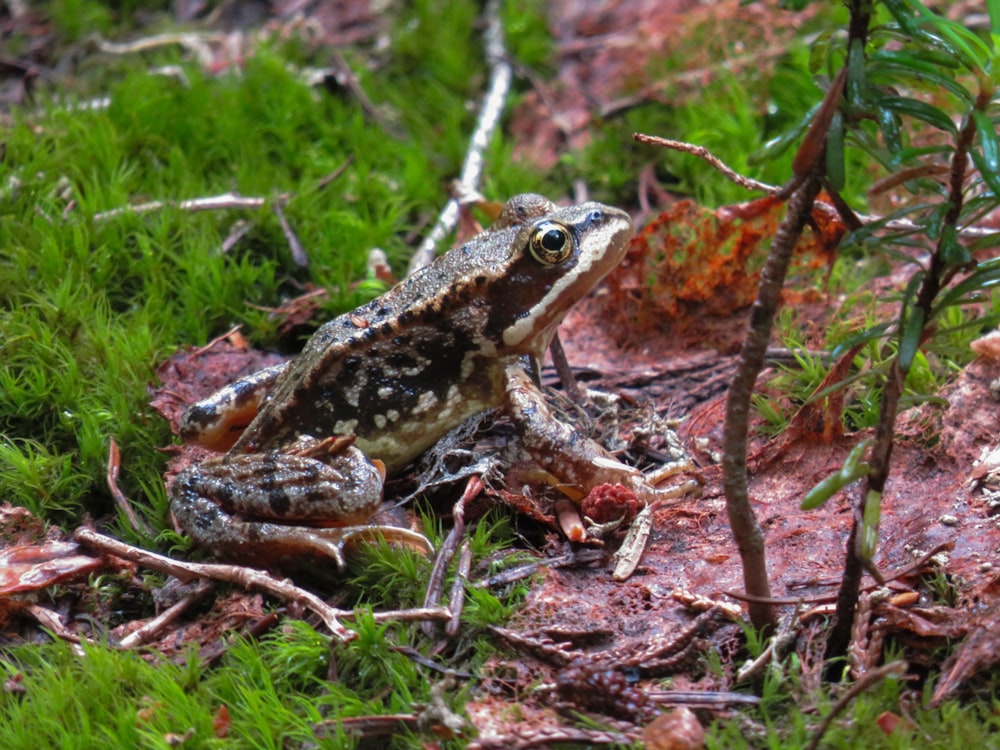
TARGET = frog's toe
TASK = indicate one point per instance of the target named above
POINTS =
(677, 491)
(393, 534)
(299, 539)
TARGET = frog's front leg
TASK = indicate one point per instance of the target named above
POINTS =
(577, 461)
(254, 507)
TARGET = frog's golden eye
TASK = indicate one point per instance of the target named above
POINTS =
(550, 243)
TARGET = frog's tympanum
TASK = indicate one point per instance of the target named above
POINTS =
(460, 336)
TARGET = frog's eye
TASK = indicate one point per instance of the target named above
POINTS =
(550, 243)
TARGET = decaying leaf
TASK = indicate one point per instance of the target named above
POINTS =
(690, 261)
(34, 567)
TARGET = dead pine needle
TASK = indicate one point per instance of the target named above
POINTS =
(123, 503)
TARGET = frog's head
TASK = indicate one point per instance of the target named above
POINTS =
(555, 260)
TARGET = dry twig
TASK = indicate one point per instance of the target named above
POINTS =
(208, 203)
(456, 598)
(966, 232)
(818, 598)
(154, 627)
(522, 739)
(299, 256)
(435, 584)
(251, 579)
(745, 528)
(703, 153)
(199, 43)
(51, 622)
(501, 74)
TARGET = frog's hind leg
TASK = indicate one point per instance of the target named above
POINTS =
(256, 543)
(253, 507)
(217, 422)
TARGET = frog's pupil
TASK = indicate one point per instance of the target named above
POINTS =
(553, 239)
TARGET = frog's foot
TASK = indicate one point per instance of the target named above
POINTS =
(578, 463)
(393, 534)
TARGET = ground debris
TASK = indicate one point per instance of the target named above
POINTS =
(977, 654)
(605, 681)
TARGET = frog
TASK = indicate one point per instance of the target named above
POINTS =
(308, 444)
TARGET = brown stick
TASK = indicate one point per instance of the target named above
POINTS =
(501, 75)
(893, 669)
(250, 579)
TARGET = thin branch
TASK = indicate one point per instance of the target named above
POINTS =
(154, 627)
(299, 255)
(209, 203)
(345, 76)
(893, 669)
(701, 152)
(501, 74)
(250, 579)
(745, 528)
(435, 584)
(694, 77)
(456, 598)
(247, 578)
(565, 372)
(335, 173)
(414, 614)
(54, 624)
(525, 737)
(123, 503)
(934, 279)
(200, 43)
(820, 598)
(778, 647)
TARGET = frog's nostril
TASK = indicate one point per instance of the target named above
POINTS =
(592, 219)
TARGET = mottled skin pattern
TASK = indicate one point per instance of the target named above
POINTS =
(398, 373)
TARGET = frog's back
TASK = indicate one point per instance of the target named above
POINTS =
(403, 369)
(399, 371)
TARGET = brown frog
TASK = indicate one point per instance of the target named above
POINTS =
(460, 336)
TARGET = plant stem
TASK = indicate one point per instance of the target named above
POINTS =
(746, 531)
(881, 455)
